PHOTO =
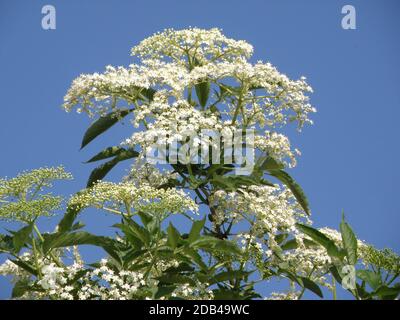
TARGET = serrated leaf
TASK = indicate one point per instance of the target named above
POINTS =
(209, 243)
(312, 286)
(68, 219)
(176, 279)
(197, 226)
(269, 163)
(289, 245)
(370, 277)
(22, 236)
(100, 172)
(349, 242)
(173, 236)
(103, 124)
(228, 276)
(24, 265)
(163, 291)
(203, 91)
(106, 153)
(59, 240)
(387, 293)
(320, 238)
(297, 191)
(139, 231)
(20, 288)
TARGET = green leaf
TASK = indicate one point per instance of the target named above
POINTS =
(132, 255)
(194, 256)
(335, 273)
(139, 231)
(6, 243)
(20, 288)
(146, 94)
(289, 245)
(100, 172)
(227, 294)
(297, 191)
(349, 242)
(58, 240)
(163, 291)
(233, 182)
(279, 238)
(228, 276)
(370, 277)
(24, 265)
(312, 286)
(68, 219)
(77, 226)
(320, 238)
(106, 153)
(387, 293)
(197, 226)
(176, 279)
(103, 124)
(22, 236)
(173, 236)
(269, 163)
(203, 91)
(209, 243)
(182, 267)
(145, 217)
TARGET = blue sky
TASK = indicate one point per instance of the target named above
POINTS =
(350, 156)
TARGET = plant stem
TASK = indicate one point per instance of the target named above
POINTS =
(334, 288)
(52, 256)
(35, 255)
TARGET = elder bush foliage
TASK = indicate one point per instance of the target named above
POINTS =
(244, 229)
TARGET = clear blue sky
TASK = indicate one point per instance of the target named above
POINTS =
(350, 156)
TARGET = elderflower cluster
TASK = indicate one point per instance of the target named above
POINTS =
(9, 268)
(283, 296)
(21, 197)
(104, 283)
(314, 261)
(198, 291)
(144, 173)
(171, 65)
(385, 259)
(277, 146)
(126, 196)
(176, 123)
(89, 89)
(203, 45)
(268, 209)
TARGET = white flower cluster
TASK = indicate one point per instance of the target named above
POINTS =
(314, 261)
(203, 45)
(143, 173)
(177, 122)
(173, 63)
(89, 89)
(277, 146)
(105, 284)
(9, 268)
(267, 209)
(284, 296)
(124, 196)
(199, 291)
(21, 198)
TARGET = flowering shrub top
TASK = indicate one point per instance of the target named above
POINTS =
(244, 229)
